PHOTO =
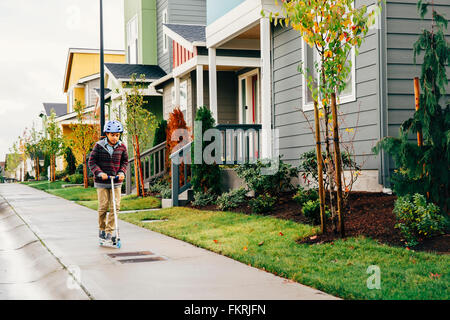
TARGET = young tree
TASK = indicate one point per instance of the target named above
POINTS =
(33, 147)
(333, 28)
(84, 134)
(53, 144)
(425, 168)
(140, 124)
(13, 159)
(175, 141)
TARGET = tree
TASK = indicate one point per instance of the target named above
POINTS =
(33, 147)
(53, 144)
(84, 134)
(174, 140)
(425, 168)
(205, 177)
(13, 159)
(140, 124)
(333, 28)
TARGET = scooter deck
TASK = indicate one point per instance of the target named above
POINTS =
(105, 244)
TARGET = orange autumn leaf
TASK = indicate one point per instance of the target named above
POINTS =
(215, 241)
(245, 248)
(328, 54)
(261, 243)
(281, 233)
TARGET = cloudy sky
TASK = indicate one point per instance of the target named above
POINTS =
(35, 37)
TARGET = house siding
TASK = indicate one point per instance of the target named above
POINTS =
(295, 133)
(403, 27)
(180, 12)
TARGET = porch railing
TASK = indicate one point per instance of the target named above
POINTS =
(240, 142)
(153, 166)
(180, 164)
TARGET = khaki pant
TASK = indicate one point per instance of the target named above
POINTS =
(107, 223)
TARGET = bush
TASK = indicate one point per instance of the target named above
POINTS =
(158, 185)
(166, 193)
(304, 195)
(202, 199)
(262, 203)
(232, 199)
(311, 210)
(205, 177)
(272, 184)
(308, 165)
(76, 178)
(417, 219)
(59, 175)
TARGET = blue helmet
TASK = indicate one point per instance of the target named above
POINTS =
(113, 126)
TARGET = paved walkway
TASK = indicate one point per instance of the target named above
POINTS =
(49, 250)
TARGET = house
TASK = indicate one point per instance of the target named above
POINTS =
(378, 97)
(81, 83)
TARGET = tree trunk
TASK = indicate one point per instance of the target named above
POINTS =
(140, 165)
(85, 175)
(136, 175)
(320, 169)
(338, 165)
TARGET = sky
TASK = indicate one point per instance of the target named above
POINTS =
(35, 37)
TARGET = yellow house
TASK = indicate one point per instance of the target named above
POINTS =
(81, 80)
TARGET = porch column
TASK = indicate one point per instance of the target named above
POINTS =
(199, 85)
(213, 83)
(177, 91)
(266, 89)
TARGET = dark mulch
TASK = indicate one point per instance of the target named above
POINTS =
(367, 214)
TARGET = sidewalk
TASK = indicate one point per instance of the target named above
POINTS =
(70, 233)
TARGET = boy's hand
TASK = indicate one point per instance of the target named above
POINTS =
(121, 177)
(104, 176)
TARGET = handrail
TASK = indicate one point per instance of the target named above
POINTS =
(177, 189)
(153, 158)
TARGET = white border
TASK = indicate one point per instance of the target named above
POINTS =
(258, 96)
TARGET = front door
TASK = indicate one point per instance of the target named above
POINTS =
(249, 101)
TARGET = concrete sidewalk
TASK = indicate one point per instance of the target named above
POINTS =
(50, 245)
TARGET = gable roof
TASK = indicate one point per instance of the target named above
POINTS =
(124, 71)
(60, 108)
(189, 32)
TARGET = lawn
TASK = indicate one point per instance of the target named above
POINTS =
(338, 268)
(88, 197)
(130, 202)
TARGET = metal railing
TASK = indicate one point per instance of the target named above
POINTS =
(240, 142)
(153, 166)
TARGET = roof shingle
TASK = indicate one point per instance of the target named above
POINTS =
(125, 70)
(189, 32)
(59, 108)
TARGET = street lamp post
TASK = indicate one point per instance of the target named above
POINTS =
(102, 74)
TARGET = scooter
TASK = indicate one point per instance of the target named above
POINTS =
(116, 239)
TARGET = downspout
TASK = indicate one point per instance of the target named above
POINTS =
(383, 172)
(272, 98)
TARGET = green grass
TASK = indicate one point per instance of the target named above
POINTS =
(338, 269)
(45, 185)
(130, 202)
(88, 196)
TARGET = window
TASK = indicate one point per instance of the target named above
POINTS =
(165, 39)
(132, 40)
(70, 101)
(310, 58)
(183, 97)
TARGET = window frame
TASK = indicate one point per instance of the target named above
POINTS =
(134, 41)
(165, 19)
(351, 97)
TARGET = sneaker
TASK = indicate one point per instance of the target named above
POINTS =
(108, 239)
(102, 234)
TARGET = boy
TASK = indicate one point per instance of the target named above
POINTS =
(108, 158)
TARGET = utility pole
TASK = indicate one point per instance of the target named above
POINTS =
(102, 74)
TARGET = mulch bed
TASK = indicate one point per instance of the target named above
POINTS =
(367, 214)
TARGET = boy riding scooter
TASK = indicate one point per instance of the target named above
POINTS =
(109, 158)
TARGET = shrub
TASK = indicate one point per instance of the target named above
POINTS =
(272, 184)
(59, 175)
(262, 203)
(232, 199)
(166, 193)
(311, 210)
(304, 195)
(202, 199)
(158, 185)
(76, 178)
(418, 219)
(308, 165)
(205, 177)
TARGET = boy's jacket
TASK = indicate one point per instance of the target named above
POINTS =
(101, 161)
